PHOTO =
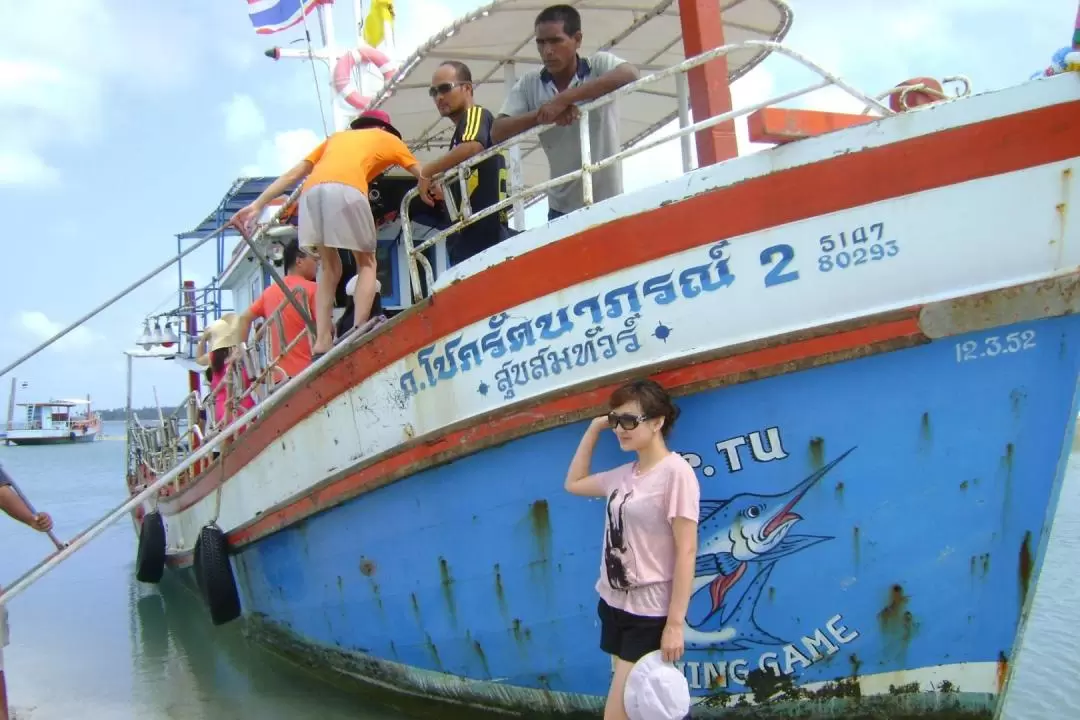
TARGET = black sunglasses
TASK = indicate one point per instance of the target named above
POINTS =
(442, 88)
(625, 421)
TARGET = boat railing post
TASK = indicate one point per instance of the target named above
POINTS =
(407, 242)
(517, 181)
(586, 159)
(466, 206)
(682, 91)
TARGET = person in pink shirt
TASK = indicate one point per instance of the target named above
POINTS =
(650, 532)
(218, 345)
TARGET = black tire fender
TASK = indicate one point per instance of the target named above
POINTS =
(219, 585)
(150, 555)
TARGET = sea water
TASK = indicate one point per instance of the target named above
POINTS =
(89, 641)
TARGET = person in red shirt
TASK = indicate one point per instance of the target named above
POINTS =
(334, 208)
(301, 268)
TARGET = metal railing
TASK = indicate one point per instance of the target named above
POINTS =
(253, 373)
(415, 254)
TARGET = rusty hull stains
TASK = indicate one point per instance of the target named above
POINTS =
(817, 453)
(425, 693)
(1016, 400)
(1052, 297)
(896, 620)
(446, 582)
(367, 567)
(1025, 567)
(926, 435)
(1007, 468)
(377, 594)
(856, 545)
(540, 520)
(500, 594)
(1002, 671)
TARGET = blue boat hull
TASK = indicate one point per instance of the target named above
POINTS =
(924, 482)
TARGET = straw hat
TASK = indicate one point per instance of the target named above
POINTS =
(225, 332)
(656, 690)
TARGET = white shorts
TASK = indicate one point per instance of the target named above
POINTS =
(337, 216)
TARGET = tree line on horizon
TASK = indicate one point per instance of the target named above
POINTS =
(143, 413)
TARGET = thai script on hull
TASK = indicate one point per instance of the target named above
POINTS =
(510, 336)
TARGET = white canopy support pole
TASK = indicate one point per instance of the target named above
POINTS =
(683, 93)
(326, 22)
(517, 176)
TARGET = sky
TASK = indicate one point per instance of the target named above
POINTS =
(123, 124)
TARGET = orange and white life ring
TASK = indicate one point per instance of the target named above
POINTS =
(343, 79)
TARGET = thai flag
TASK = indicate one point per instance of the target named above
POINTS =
(271, 16)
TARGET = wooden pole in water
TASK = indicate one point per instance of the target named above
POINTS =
(710, 93)
(11, 406)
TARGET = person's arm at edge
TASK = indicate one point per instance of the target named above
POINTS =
(404, 157)
(515, 116)
(684, 504)
(579, 481)
(291, 176)
(13, 505)
(475, 138)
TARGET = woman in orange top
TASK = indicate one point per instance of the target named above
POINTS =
(334, 209)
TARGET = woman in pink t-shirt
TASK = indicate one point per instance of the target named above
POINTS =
(650, 532)
(217, 346)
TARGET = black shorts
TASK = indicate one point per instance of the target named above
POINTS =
(626, 635)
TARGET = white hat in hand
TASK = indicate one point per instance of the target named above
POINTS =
(656, 690)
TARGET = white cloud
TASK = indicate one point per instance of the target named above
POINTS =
(282, 152)
(417, 22)
(23, 167)
(60, 57)
(38, 324)
(243, 119)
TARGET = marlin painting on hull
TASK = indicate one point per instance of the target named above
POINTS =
(740, 539)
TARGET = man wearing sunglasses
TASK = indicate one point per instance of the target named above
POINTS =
(452, 90)
(549, 97)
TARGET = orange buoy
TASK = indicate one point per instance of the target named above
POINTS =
(915, 98)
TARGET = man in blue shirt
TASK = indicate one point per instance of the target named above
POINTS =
(548, 97)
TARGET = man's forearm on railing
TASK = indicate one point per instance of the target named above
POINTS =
(455, 157)
(506, 127)
(592, 89)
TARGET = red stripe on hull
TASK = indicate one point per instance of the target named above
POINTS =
(992, 147)
(510, 424)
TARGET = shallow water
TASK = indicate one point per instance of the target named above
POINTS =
(88, 641)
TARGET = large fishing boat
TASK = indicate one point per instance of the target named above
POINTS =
(870, 329)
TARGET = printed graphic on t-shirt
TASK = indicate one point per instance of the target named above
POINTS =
(619, 559)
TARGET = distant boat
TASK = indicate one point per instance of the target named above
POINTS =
(53, 423)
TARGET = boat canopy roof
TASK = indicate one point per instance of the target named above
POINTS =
(499, 36)
(243, 192)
